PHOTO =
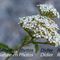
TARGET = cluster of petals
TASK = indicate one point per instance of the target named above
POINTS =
(41, 26)
(49, 8)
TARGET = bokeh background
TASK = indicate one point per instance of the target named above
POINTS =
(11, 33)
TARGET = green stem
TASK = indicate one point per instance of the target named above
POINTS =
(53, 44)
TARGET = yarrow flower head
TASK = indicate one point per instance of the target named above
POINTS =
(41, 27)
(48, 10)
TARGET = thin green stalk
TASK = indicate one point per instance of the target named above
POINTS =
(53, 44)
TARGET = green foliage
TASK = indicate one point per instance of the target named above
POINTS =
(6, 49)
(36, 48)
(26, 40)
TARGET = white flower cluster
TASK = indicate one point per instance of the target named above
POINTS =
(42, 27)
(49, 8)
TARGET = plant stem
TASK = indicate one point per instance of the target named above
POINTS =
(53, 44)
